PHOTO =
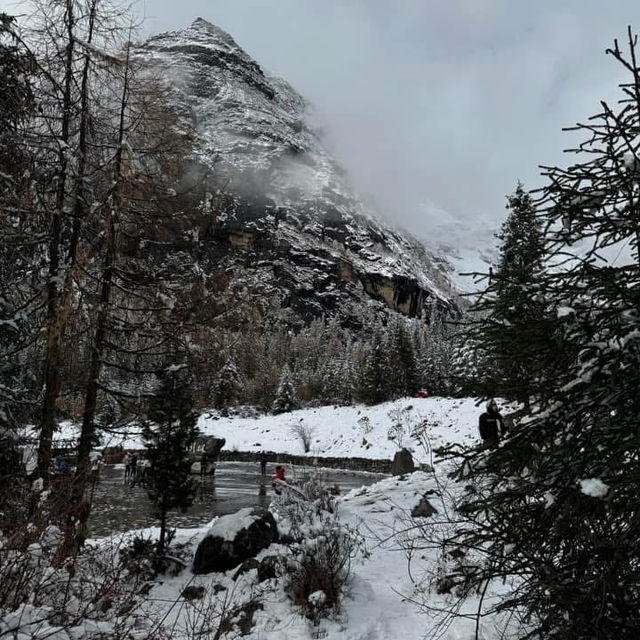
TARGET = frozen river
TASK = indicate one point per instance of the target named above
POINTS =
(117, 507)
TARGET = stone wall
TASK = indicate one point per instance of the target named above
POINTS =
(354, 464)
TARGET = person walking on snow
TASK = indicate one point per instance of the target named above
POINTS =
(491, 425)
(263, 463)
(204, 464)
(127, 467)
(133, 466)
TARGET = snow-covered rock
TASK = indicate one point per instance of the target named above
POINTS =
(229, 526)
(234, 538)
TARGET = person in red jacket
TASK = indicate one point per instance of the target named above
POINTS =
(277, 478)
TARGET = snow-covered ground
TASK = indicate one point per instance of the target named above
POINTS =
(391, 596)
(387, 596)
(355, 431)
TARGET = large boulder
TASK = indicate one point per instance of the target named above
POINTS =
(402, 463)
(213, 446)
(233, 539)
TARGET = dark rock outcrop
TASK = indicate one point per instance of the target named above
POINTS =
(209, 446)
(193, 593)
(233, 539)
(402, 463)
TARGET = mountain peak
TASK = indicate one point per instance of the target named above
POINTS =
(200, 34)
(204, 26)
(315, 245)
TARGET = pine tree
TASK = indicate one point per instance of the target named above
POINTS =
(228, 385)
(168, 440)
(402, 367)
(469, 362)
(61, 28)
(435, 347)
(373, 377)
(562, 493)
(285, 399)
(18, 318)
(512, 322)
(518, 309)
(347, 375)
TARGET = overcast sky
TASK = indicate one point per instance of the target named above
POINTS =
(435, 107)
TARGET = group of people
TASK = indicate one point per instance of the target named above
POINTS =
(492, 428)
(63, 468)
(277, 478)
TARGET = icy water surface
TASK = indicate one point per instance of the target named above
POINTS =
(117, 507)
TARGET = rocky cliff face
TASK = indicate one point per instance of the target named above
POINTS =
(291, 227)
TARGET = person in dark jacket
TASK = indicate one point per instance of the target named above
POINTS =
(133, 468)
(491, 425)
(263, 463)
(204, 463)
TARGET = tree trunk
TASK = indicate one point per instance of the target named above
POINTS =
(55, 314)
(91, 394)
(163, 527)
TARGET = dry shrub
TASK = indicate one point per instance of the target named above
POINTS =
(40, 599)
(222, 612)
(304, 433)
(321, 571)
(322, 548)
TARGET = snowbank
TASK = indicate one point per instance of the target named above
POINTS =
(386, 589)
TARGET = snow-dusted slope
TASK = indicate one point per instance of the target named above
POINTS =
(343, 432)
(355, 431)
(311, 241)
(383, 602)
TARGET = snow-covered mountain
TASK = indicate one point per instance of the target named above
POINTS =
(294, 229)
